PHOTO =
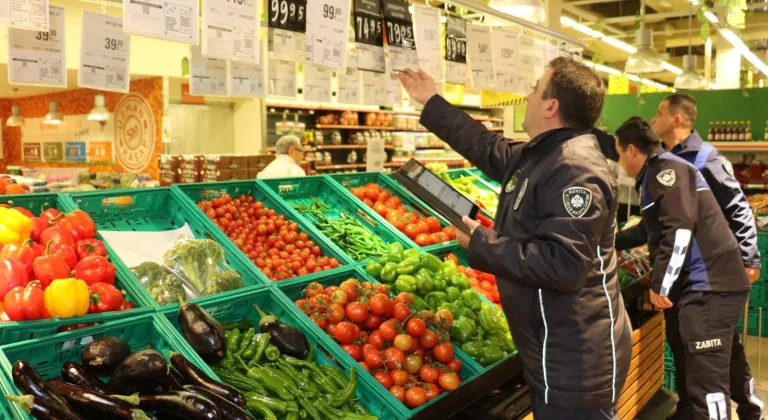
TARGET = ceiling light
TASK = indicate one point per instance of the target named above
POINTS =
(586, 30)
(645, 60)
(672, 68)
(619, 44)
(16, 119)
(98, 112)
(529, 10)
(53, 117)
(711, 17)
(690, 79)
(744, 50)
(633, 78)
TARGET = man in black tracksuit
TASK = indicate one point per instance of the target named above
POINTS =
(697, 264)
(552, 244)
(673, 122)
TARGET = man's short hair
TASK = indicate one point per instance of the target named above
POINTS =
(684, 104)
(579, 90)
(284, 144)
(636, 131)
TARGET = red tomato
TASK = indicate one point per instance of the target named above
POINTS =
(431, 391)
(450, 232)
(314, 289)
(398, 392)
(449, 381)
(415, 397)
(416, 328)
(403, 297)
(423, 227)
(394, 357)
(411, 217)
(439, 237)
(364, 367)
(353, 351)
(428, 340)
(379, 304)
(384, 379)
(429, 374)
(372, 322)
(454, 365)
(401, 311)
(422, 239)
(344, 333)
(380, 208)
(383, 195)
(320, 320)
(433, 223)
(368, 202)
(350, 288)
(372, 192)
(388, 330)
(336, 313)
(412, 364)
(374, 359)
(392, 202)
(356, 312)
(444, 319)
(358, 192)
(377, 340)
(443, 352)
(403, 342)
(399, 377)
(412, 231)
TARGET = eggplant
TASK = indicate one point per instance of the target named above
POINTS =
(142, 371)
(181, 404)
(95, 404)
(77, 375)
(173, 381)
(28, 381)
(203, 332)
(226, 408)
(195, 376)
(42, 409)
(288, 339)
(104, 355)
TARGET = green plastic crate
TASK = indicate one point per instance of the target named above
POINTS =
(12, 332)
(156, 209)
(301, 191)
(413, 203)
(752, 322)
(295, 290)
(758, 297)
(236, 308)
(485, 179)
(190, 194)
(669, 381)
(478, 183)
(48, 354)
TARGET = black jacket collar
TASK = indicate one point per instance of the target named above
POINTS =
(692, 143)
(640, 175)
(556, 135)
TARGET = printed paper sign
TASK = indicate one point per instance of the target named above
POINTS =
(287, 45)
(505, 56)
(455, 50)
(290, 15)
(231, 29)
(375, 154)
(394, 89)
(53, 152)
(174, 20)
(104, 53)
(349, 81)
(525, 74)
(400, 38)
(25, 14)
(317, 83)
(74, 151)
(208, 76)
(374, 88)
(327, 28)
(539, 58)
(32, 152)
(100, 151)
(369, 36)
(480, 57)
(246, 79)
(427, 26)
(282, 77)
(38, 58)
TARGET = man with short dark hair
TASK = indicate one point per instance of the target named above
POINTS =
(673, 122)
(551, 248)
(698, 277)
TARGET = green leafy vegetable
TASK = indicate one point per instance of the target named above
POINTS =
(196, 261)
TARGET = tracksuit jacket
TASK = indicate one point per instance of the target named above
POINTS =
(552, 250)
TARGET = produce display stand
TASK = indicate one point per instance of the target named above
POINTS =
(478, 183)
(485, 179)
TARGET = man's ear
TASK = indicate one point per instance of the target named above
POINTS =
(552, 109)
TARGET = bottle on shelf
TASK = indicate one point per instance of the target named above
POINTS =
(765, 136)
(729, 131)
(711, 133)
(748, 132)
(716, 132)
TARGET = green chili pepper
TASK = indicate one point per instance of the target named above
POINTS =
(238, 380)
(262, 411)
(348, 392)
(454, 293)
(408, 266)
(430, 263)
(261, 344)
(423, 281)
(405, 283)
(250, 349)
(272, 353)
(462, 329)
(374, 269)
(301, 379)
(272, 384)
(311, 353)
(411, 253)
(389, 272)
(273, 404)
(246, 341)
(239, 325)
(333, 373)
(312, 411)
(233, 345)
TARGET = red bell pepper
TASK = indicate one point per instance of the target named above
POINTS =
(56, 234)
(95, 269)
(66, 252)
(76, 326)
(127, 305)
(49, 267)
(105, 298)
(88, 247)
(50, 214)
(24, 211)
(25, 253)
(79, 225)
(26, 303)
(38, 227)
(12, 274)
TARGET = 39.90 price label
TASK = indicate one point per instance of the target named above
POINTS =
(290, 15)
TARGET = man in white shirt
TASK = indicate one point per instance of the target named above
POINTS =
(290, 153)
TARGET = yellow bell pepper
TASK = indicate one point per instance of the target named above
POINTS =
(65, 298)
(15, 227)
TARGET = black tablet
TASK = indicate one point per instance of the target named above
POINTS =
(437, 193)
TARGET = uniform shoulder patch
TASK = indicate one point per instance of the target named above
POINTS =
(577, 200)
(728, 167)
(667, 177)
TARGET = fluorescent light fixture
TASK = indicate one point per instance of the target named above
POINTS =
(711, 17)
(53, 117)
(619, 44)
(695, 2)
(670, 67)
(633, 78)
(606, 69)
(744, 50)
(16, 119)
(586, 30)
(98, 112)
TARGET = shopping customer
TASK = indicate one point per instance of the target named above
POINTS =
(697, 266)
(290, 153)
(673, 122)
(552, 245)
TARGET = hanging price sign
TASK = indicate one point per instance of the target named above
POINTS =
(398, 25)
(525, 65)
(369, 36)
(455, 50)
(231, 29)
(26, 14)
(327, 29)
(246, 79)
(374, 88)
(37, 58)
(208, 75)
(317, 83)
(104, 53)
(427, 37)
(505, 56)
(480, 57)
(349, 81)
(290, 15)
(539, 58)
(282, 77)
(174, 21)
(394, 88)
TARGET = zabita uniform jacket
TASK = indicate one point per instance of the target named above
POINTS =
(552, 252)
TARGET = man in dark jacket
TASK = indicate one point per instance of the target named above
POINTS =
(673, 122)
(552, 245)
(697, 265)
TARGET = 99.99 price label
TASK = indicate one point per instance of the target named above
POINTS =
(290, 15)
(456, 40)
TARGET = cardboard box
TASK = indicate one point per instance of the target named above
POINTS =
(240, 174)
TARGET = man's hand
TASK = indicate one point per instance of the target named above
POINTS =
(661, 302)
(419, 85)
(753, 274)
(462, 237)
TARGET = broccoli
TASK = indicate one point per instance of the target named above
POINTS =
(195, 260)
(168, 289)
(224, 281)
(148, 271)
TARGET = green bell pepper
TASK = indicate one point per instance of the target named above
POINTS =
(418, 303)
(472, 348)
(431, 263)
(423, 281)
(374, 269)
(471, 299)
(485, 319)
(462, 329)
(389, 272)
(461, 281)
(468, 313)
(434, 299)
(490, 355)
(450, 306)
(439, 282)
(449, 268)
(405, 283)
(408, 265)
(411, 253)
(454, 294)
(394, 253)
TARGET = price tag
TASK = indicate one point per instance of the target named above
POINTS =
(282, 77)
(427, 26)
(327, 32)
(552, 53)
(455, 50)
(104, 53)
(394, 88)
(208, 76)
(525, 64)
(505, 56)
(100, 151)
(398, 26)
(317, 83)
(539, 58)
(53, 152)
(246, 79)
(290, 15)
(25, 14)
(370, 58)
(38, 57)
(231, 29)
(287, 45)
(375, 154)
(409, 143)
(374, 88)
(349, 81)
(368, 23)
(480, 57)
(74, 151)
(176, 21)
(32, 152)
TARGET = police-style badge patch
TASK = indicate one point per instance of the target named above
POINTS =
(728, 167)
(577, 201)
(510, 185)
(667, 177)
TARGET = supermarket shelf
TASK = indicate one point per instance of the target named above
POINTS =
(739, 146)
(351, 127)
(339, 108)
(430, 147)
(334, 167)
(338, 147)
